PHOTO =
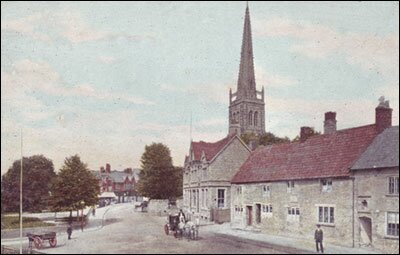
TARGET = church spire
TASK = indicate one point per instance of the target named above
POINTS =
(246, 82)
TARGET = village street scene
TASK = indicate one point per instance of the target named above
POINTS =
(200, 127)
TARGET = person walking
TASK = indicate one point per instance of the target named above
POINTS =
(319, 236)
(69, 230)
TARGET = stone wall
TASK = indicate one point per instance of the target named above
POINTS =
(179, 203)
(307, 195)
(226, 165)
(373, 201)
(157, 206)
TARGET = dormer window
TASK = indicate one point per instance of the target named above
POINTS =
(290, 186)
(326, 185)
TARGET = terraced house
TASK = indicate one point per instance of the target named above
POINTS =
(286, 189)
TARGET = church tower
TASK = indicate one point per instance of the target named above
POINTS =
(246, 105)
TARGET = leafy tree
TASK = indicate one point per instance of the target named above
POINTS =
(269, 138)
(265, 139)
(297, 138)
(38, 172)
(159, 179)
(74, 184)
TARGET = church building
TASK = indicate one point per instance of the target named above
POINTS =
(210, 166)
(246, 105)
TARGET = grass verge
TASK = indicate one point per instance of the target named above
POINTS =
(12, 222)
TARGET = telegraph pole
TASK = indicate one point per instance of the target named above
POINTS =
(20, 202)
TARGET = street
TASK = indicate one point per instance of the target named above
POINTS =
(126, 231)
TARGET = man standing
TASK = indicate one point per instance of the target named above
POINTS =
(318, 236)
(69, 230)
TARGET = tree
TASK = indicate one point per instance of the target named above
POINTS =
(38, 172)
(269, 138)
(265, 139)
(159, 179)
(74, 185)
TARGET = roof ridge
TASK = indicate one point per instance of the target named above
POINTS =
(319, 156)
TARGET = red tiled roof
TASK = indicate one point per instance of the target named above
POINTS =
(329, 155)
(210, 149)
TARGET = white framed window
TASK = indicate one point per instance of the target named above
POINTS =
(290, 186)
(207, 198)
(326, 214)
(393, 185)
(392, 224)
(293, 214)
(239, 190)
(326, 185)
(266, 210)
(238, 210)
(221, 198)
(266, 190)
(194, 198)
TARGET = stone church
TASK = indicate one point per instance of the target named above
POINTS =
(210, 166)
(246, 105)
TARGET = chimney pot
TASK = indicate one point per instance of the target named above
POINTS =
(330, 123)
(383, 115)
(305, 132)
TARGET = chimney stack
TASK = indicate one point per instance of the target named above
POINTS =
(102, 169)
(108, 168)
(330, 123)
(305, 132)
(383, 115)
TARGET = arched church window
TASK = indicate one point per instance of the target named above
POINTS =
(234, 117)
(250, 118)
(255, 118)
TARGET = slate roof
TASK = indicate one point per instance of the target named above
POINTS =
(118, 176)
(382, 152)
(320, 156)
(210, 149)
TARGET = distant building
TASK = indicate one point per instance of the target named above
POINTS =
(376, 193)
(286, 189)
(122, 183)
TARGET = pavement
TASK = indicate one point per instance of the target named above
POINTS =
(284, 243)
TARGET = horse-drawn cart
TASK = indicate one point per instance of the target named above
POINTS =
(172, 224)
(38, 239)
(181, 228)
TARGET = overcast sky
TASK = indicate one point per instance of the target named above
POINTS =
(103, 79)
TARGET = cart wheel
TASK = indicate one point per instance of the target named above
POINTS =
(53, 242)
(38, 242)
(166, 229)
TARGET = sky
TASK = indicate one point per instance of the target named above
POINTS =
(105, 79)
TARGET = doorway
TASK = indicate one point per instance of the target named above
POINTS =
(249, 215)
(365, 231)
(258, 213)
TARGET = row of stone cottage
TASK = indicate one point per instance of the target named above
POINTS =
(346, 180)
